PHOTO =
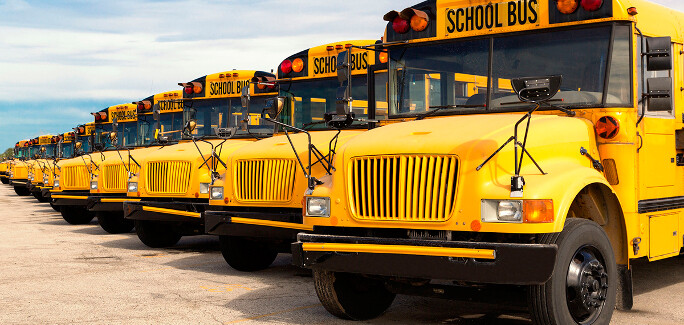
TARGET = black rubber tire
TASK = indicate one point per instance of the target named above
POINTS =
(156, 234)
(40, 198)
(352, 296)
(549, 302)
(4, 180)
(114, 222)
(54, 207)
(21, 190)
(76, 215)
(247, 255)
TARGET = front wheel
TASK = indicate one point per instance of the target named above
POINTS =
(156, 234)
(40, 198)
(4, 180)
(352, 296)
(22, 190)
(583, 287)
(76, 215)
(54, 207)
(246, 255)
(114, 222)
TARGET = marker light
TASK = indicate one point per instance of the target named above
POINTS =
(592, 5)
(235, 75)
(286, 66)
(632, 11)
(607, 127)
(329, 48)
(196, 87)
(419, 19)
(400, 25)
(339, 47)
(188, 89)
(567, 6)
(538, 211)
(221, 75)
(384, 56)
(298, 65)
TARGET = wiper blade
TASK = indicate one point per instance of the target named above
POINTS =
(442, 107)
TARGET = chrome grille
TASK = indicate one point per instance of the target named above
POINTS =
(75, 178)
(264, 180)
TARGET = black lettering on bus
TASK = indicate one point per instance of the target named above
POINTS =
(533, 11)
(470, 20)
(459, 25)
(317, 67)
(489, 16)
(497, 23)
(479, 17)
(451, 25)
(522, 12)
(511, 14)
(364, 58)
(333, 64)
(213, 88)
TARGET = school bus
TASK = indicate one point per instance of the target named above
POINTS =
(134, 138)
(554, 187)
(64, 150)
(42, 165)
(256, 207)
(173, 182)
(18, 169)
(72, 185)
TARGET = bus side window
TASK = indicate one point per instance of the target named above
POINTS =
(643, 79)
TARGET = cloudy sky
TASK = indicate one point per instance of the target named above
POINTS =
(61, 60)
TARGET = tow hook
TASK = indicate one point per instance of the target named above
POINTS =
(597, 164)
(635, 245)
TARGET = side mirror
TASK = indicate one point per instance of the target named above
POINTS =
(658, 53)
(78, 145)
(113, 137)
(190, 126)
(245, 96)
(659, 94)
(343, 96)
(273, 107)
(42, 149)
(155, 112)
(536, 89)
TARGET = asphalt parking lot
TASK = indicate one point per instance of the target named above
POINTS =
(55, 273)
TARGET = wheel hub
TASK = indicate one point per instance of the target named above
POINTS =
(586, 285)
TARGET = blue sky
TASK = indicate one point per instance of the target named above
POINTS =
(61, 60)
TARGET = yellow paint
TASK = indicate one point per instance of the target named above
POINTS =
(401, 250)
(70, 197)
(268, 223)
(118, 200)
(172, 211)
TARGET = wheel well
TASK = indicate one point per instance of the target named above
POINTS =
(597, 202)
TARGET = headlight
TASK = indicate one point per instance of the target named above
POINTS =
(217, 193)
(318, 207)
(56, 183)
(204, 188)
(132, 186)
(93, 185)
(30, 177)
(46, 179)
(502, 211)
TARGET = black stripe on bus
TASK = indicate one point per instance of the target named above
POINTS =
(664, 204)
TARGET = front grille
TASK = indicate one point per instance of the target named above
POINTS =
(75, 178)
(116, 177)
(264, 180)
(403, 187)
(168, 177)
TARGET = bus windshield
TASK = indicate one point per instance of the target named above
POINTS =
(211, 114)
(309, 99)
(171, 125)
(49, 150)
(126, 133)
(145, 134)
(67, 150)
(455, 76)
(102, 135)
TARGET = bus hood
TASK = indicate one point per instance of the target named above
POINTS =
(279, 147)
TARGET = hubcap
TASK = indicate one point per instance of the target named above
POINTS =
(586, 285)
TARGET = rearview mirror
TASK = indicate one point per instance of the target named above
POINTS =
(273, 107)
(155, 112)
(78, 145)
(536, 89)
(659, 94)
(112, 137)
(190, 126)
(658, 53)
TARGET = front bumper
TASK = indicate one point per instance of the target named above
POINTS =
(105, 202)
(187, 212)
(45, 191)
(497, 263)
(34, 188)
(18, 182)
(69, 198)
(272, 225)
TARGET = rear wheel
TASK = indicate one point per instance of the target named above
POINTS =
(40, 197)
(21, 190)
(76, 214)
(583, 287)
(156, 234)
(114, 222)
(247, 255)
(352, 296)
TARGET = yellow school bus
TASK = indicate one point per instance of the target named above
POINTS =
(18, 168)
(42, 166)
(72, 185)
(134, 138)
(553, 187)
(64, 150)
(172, 185)
(256, 207)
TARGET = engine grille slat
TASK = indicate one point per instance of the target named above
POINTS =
(403, 187)
(264, 180)
(116, 177)
(167, 177)
(75, 178)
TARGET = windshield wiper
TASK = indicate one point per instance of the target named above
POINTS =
(442, 107)
(306, 125)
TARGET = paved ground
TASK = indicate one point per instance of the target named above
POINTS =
(52, 272)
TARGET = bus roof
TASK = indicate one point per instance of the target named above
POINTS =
(449, 19)
(321, 61)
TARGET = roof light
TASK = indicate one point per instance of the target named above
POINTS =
(632, 11)
(418, 18)
(330, 48)
(592, 5)
(286, 66)
(221, 75)
(339, 47)
(567, 6)
(187, 89)
(383, 56)
(346, 46)
(400, 25)
(298, 65)
(196, 87)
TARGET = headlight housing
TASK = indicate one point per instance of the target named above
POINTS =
(93, 185)
(217, 193)
(517, 211)
(46, 179)
(132, 187)
(204, 188)
(317, 207)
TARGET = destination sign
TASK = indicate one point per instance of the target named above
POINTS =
(126, 113)
(492, 16)
(326, 65)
